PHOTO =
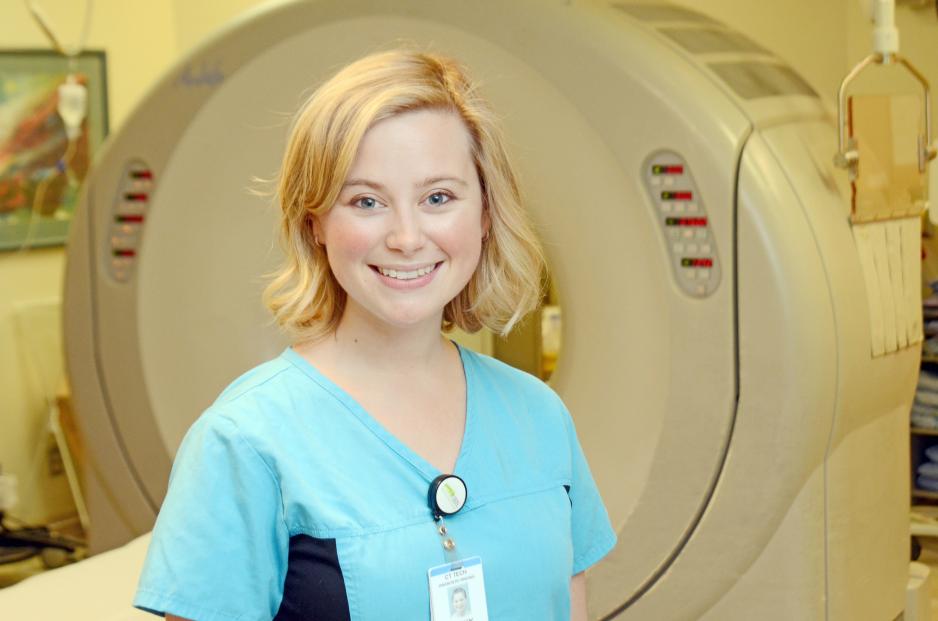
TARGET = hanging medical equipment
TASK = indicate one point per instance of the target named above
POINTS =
(72, 108)
(885, 52)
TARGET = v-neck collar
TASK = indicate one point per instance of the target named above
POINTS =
(427, 470)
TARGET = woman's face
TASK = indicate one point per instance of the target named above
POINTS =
(405, 235)
(459, 602)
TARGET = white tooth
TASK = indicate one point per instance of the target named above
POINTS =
(401, 275)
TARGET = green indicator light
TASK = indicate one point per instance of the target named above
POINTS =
(666, 195)
(656, 170)
(687, 263)
(671, 221)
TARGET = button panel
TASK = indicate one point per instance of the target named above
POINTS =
(682, 216)
(129, 214)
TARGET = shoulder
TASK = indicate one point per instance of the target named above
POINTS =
(267, 376)
(262, 400)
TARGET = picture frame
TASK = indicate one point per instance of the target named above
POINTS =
(39, 187)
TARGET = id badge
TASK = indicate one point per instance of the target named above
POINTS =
(457, 591)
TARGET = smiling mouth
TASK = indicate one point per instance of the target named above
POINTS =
(405, 275)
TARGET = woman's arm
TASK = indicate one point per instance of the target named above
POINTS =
(175, 618)
(577, 597)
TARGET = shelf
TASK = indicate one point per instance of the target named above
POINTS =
(920, 529)
(920, 431)
(920, 493)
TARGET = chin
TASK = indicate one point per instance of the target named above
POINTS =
(408, 318)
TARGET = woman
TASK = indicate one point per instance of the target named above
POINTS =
(304, 491)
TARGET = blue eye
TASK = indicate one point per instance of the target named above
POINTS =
(438, 198)
(365, 202)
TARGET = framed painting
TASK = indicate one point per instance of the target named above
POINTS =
(41, 171)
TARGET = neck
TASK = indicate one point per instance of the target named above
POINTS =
(362, 344)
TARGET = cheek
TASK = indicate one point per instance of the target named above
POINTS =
(344, 241)
(461, 240)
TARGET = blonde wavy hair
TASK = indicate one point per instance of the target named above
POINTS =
(303, 295)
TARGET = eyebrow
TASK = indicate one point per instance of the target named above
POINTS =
(381, 188)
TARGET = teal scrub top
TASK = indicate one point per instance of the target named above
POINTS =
(287, 500)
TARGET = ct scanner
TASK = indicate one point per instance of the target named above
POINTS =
(716, 355)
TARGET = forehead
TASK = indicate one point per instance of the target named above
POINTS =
(414, 144)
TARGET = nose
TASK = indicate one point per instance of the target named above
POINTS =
(406, 233)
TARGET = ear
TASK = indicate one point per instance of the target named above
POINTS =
(486, 224)
(316, 227)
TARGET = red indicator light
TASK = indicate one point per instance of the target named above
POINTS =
(141, 174)
(677, 196)
(696, 262)
(662, 169)
(686, 221)
(129, 218)
(122, 252)
(140, 197)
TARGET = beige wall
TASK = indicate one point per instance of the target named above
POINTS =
(144, 38)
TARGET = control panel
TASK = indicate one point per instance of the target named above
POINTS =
(683, 220)
(129, 215)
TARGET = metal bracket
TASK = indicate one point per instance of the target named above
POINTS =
(847, 156)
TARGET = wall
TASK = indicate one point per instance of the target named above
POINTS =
(139, 39)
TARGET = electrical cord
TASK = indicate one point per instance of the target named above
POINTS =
(24, 541)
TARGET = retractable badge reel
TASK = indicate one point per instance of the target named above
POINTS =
(457, 588)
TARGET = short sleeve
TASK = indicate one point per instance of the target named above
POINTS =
(220, 545)
(593, 536)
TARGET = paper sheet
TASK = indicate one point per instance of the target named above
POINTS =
(890, 258)
(861, 234)
(894, 260)
(911, 231)
(881, 261)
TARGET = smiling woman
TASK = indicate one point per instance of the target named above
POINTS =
(323, 164)
(306, 490)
